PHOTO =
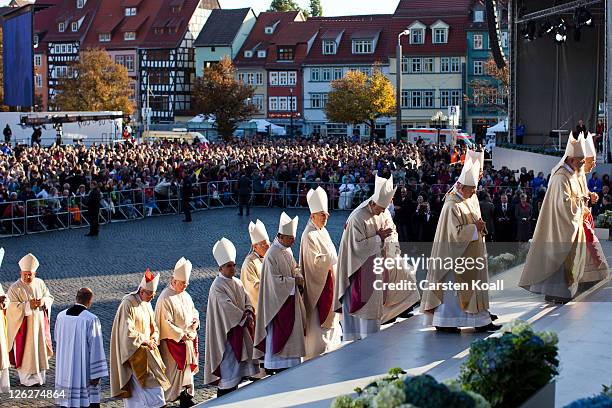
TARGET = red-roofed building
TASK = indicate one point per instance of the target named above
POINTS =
(434, 57)
(259, 52)
(342, 44)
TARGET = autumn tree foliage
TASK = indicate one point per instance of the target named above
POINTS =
(218, 93)
(94, 83)
(492, 91)
(359, 98)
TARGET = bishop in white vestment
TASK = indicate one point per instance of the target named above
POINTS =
(250, 273)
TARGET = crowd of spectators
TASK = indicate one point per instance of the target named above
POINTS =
(147, 177)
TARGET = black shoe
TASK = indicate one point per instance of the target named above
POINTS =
(448, 329)
(406, 314)
(185, 400)
(494, 317)
(490, 328)
(556, 300)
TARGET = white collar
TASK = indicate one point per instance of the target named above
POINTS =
(79, 304)
(568, 168)
(223, 277)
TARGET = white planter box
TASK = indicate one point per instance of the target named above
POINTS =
(545, 398)
(602, 233)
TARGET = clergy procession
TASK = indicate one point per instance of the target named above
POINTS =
(290, 303)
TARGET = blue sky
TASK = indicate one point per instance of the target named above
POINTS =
(330, 7)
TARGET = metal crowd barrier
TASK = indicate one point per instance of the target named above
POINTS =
(61, 213)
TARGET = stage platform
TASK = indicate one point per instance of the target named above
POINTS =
(584, 328)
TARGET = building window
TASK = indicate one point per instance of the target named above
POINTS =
(428, 65)
(74, 27)
(444, 64)
(444, 99)
(329, 47)
(362, 47)
(248, 54)
(416, 99)
(261, 54)
(336, 130)
(282, 78)
(455, 64)
(416, 65)
(326, 74)
(61, 27)
(80, 3)
(417, 36)
(38, 80)
(316, 129)
(273, 79)
(269, 30)
(104, 37)
(56, 49)
(478, 39)
(258, 100)
(318, 100)
(129, 62)
(37, 60)
(292, 76)
(259, 79)
(315, 74)
(456, 98)
(405, 98)
(285, 54)
(337, 74)
(405, 65)
(130, 11)
(129, 36)
(120, 60)
(283, 103)
(63, 48)
(479, 16)
(428, 99)
(504, 39)
(440, 36)
(35, 40)
(478, 67)
(69, 48)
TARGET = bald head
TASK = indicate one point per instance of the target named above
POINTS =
(85, 297)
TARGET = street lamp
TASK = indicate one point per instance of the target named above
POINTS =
(438, 118)
(291, 113)
(398, 85)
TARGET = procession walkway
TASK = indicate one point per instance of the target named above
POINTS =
(584, 329)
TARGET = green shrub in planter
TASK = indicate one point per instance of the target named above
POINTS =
(509, 369)
(400, 391)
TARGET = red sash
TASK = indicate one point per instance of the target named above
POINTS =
(591, 239)
(324, 304)
(363, 284)
(236, 339)
(178, 351)
(16, 354)
(282, 325)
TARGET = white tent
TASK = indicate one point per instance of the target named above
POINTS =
(202, 118)
(500, 127)
(262, 127)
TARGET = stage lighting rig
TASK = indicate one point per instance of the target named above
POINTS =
(583, 18)
(561, 32)
(546, 27)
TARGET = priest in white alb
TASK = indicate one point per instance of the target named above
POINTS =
(80, 359)
(137, 370)
(250, 273)
(29, 334)
(370, 237)
(556, 260)
(230, 324)
(318, 259)
(459, 257)
(281, 317)
(178, 321)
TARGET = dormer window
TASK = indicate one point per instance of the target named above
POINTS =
(129, 35)
(261, 54)
(285, 54)
(74, 27)
(417, 36)
(35, 39)
(269, 30)
(362, 47)
(329, 47)
(439, 32)
(479, 16)
(130, 11)
(248, 54)
(80, 3)
(61, 27)
(104, 37)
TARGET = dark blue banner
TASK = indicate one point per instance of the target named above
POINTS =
(18, 60)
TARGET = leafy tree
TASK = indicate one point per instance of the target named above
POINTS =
(94, 83)
(287, 5)
(316, 10)
(220, 94)
(359, 98)
(492, 91)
